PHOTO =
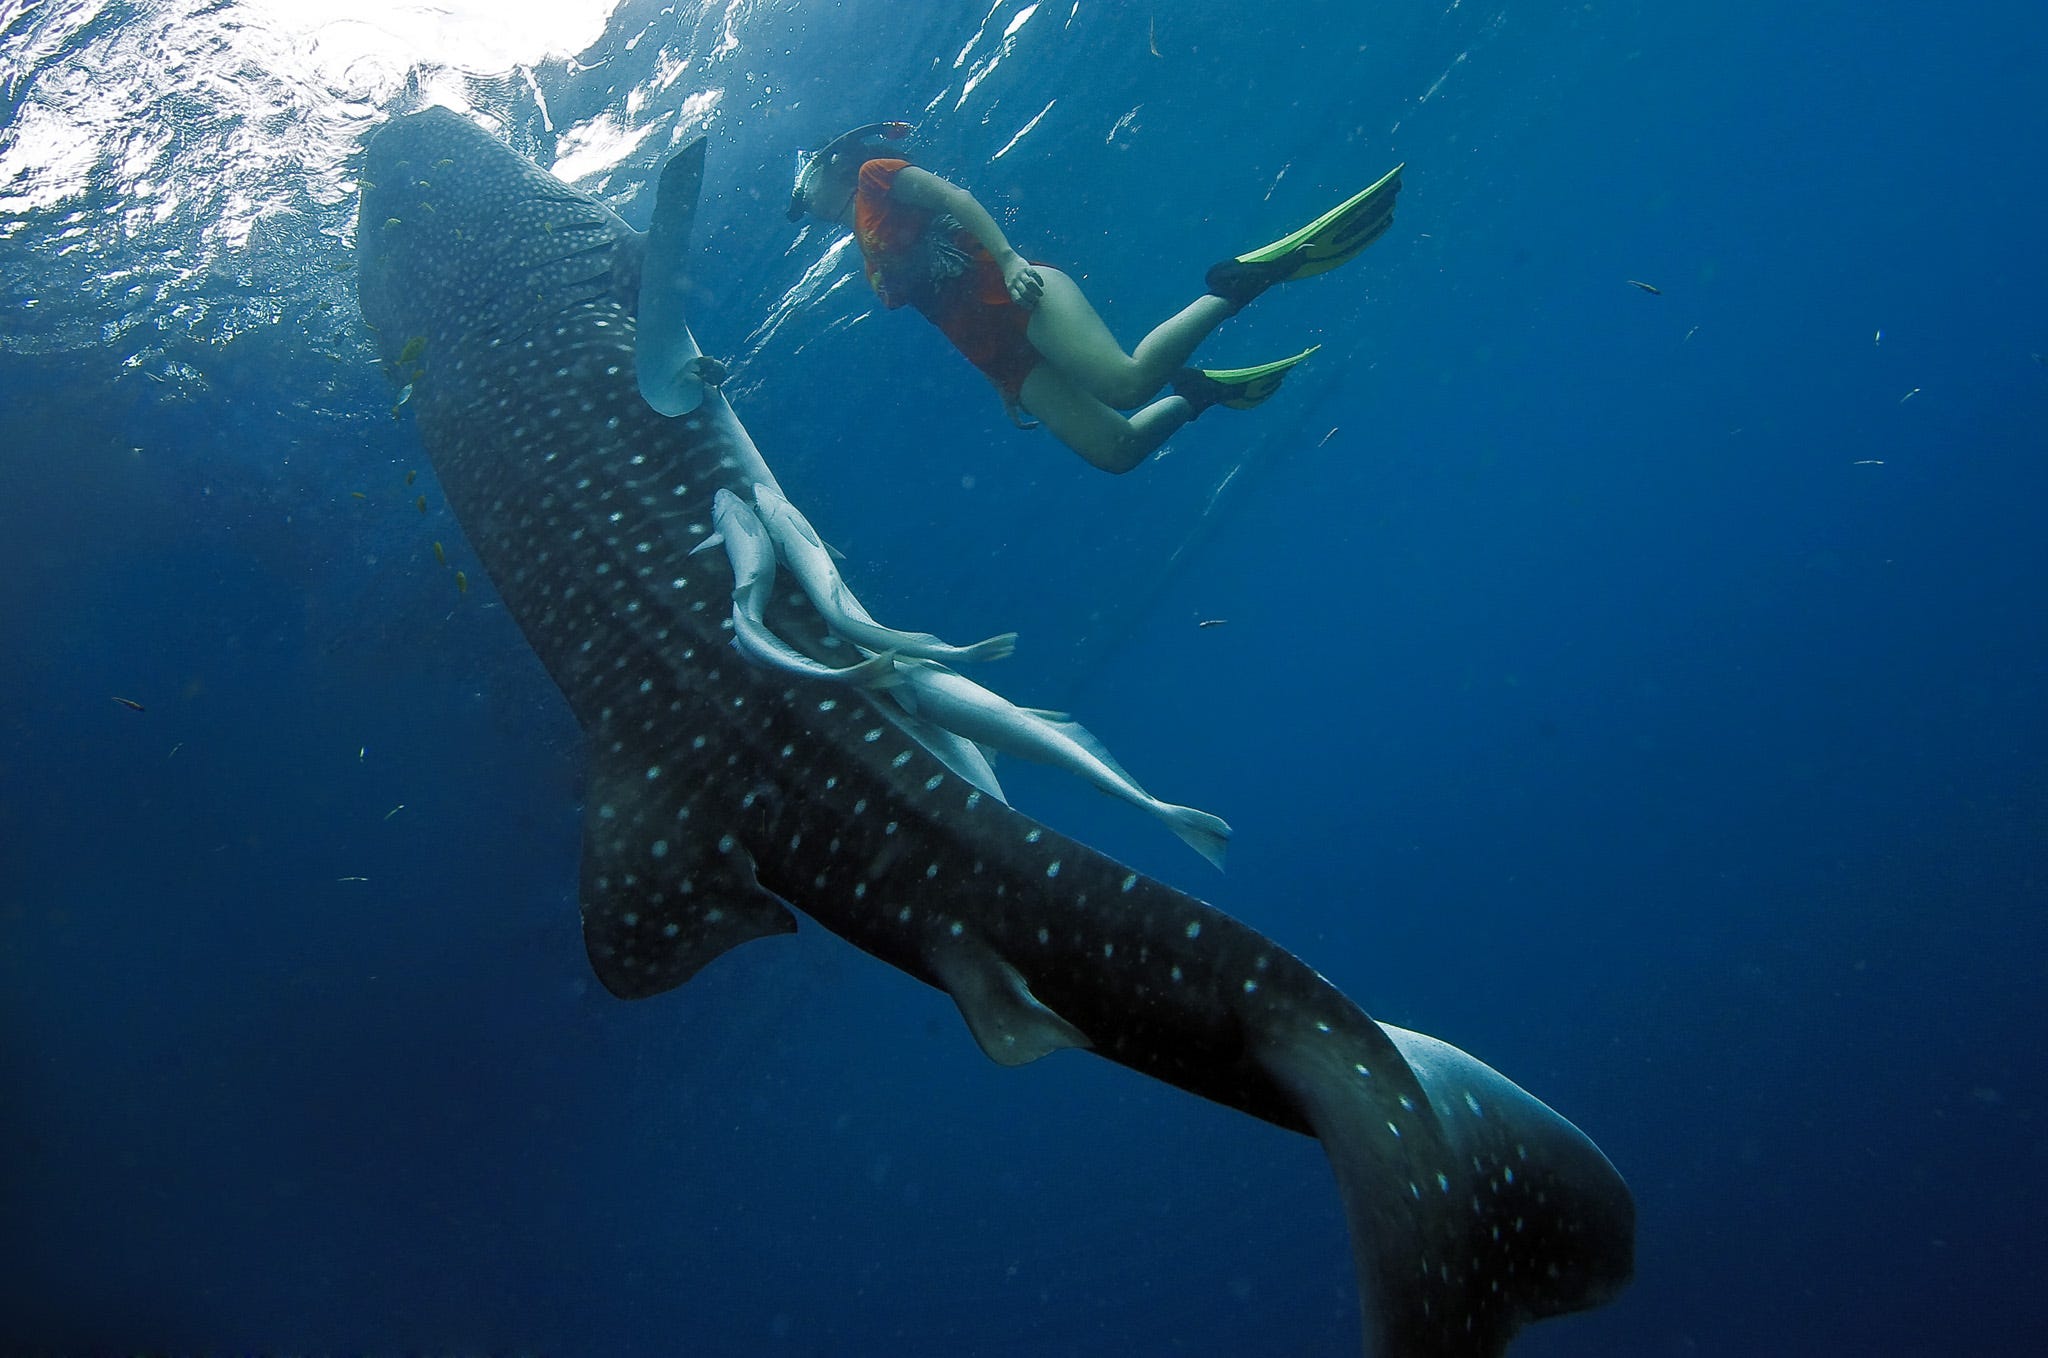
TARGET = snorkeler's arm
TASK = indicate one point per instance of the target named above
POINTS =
(921, 188)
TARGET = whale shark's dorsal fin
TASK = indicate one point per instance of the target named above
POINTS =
(665, 353)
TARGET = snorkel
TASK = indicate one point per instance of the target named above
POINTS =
(812, 165)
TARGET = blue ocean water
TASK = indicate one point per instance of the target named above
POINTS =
(1642, 691)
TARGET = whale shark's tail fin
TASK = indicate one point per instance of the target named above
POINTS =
(1473, 1207)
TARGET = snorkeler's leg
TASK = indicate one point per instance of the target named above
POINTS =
(1071, 336)
(1099, 434)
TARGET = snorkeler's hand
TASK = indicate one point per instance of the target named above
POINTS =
(1024, 282)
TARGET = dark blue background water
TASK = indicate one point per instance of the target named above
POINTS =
(1583, 702)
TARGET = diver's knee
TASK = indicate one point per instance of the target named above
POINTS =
(1123, 453)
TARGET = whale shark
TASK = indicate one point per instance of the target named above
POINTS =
(723, 797)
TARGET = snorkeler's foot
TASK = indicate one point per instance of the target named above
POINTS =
(1331, 239)
(1238, 388)
(1240, 281)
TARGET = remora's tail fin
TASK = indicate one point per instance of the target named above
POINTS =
(1207, 835)
(1471, 1214)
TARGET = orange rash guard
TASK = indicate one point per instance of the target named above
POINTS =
(970, 306)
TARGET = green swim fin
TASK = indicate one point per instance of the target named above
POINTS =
(1238, 388)
(1326, 242)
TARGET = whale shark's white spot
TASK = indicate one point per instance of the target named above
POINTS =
(890, 828)
(974, 800)
(956, 928)
(697, 742)
(900, 760)
(1194, 929)
(1053, 868)
(931, 784)
(1176, 974)
(1395, 1130)
(670, 930)
(1034, 836)
(1045, 935)
(931, 870)
(903, 915)
(1109, 950)
(1250, 986)
(653, 771)
(828, 704)
(725, 843)
(608, 811)
(860, 807)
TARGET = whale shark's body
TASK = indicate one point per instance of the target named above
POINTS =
(720, 794)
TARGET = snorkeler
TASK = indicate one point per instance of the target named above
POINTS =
(928, 244)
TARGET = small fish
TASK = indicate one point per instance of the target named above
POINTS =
(420, 504)
(1878, 338)
(357, 495)
(411, 477)
(414, 347)
(131, 704)
(1689, 334)
(1650, 288)
(1909, 395)
(1868, 462)
(461, 582)
(351, 879)
(440, 555)
(174, 749)
(394, 811)
(2041, 359)
(390, 222)
(365, 750)
(1212, 622)
(1327, 437)
(1152, 35)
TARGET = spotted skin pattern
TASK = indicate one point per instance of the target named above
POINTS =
(720, 794)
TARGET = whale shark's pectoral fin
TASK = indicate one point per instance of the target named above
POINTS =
(1013, 1027)
(666, 360)
(662, 897)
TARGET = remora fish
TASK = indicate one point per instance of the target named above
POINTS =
(810, 561)
(721, 794)
(752, 555)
